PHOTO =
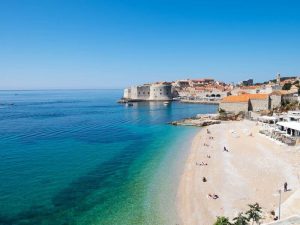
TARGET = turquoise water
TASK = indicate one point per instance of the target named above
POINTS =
(78, 157)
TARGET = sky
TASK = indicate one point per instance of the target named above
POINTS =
(60, 44)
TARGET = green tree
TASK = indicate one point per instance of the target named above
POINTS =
(254, 213)
(287, 86)
(222, 220)
(241, 219)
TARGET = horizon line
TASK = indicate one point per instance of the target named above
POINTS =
(61, 89)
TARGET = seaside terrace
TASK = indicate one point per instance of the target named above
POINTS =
(284, 128)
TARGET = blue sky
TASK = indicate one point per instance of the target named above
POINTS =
(113, 44)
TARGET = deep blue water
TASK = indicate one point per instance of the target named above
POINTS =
(78, 157)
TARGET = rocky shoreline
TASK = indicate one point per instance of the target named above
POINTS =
(198, 121)
(203, 120)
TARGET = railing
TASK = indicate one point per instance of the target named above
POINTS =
(279, 136)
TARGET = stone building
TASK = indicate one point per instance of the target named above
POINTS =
(127, 93)
(259, 102)
(160, 92)
(245, 103)
(235, 104)
(276, 99)
(141, 92)
(149, 92)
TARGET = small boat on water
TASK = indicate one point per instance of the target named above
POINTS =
(129, 104)
(166, 103)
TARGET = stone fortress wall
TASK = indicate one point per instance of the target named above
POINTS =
(160, 92)
(149, 92)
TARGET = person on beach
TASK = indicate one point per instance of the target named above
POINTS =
(225, 149)
(204, 179)
(213, 196)
(285, 187)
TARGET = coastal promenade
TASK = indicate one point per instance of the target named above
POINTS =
(252, 170)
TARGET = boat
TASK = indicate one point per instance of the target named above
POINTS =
(166, 103)
(129, 104)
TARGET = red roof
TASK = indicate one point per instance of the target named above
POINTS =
(244, 98)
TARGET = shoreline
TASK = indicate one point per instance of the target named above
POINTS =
(253, 170)
(167, 176)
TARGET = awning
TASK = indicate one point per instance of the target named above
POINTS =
(269, 118)
(292, 125)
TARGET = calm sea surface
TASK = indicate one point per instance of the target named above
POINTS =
(78, 157)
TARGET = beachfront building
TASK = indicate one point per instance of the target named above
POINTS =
(235, 104)
(290, 116)
(287, 128)
(149, 92)
(245, 103)
(291, 128)
(268, 119)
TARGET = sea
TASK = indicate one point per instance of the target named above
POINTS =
(77, 157)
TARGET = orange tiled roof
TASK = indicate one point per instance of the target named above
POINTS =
(258, 96)
(276, 92)
(244, 97)
(236, 98)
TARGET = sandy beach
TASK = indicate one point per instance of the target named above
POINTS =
(253, 170)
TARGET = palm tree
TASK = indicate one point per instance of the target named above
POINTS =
(241, 219)
(254, 213)
(221, 220)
